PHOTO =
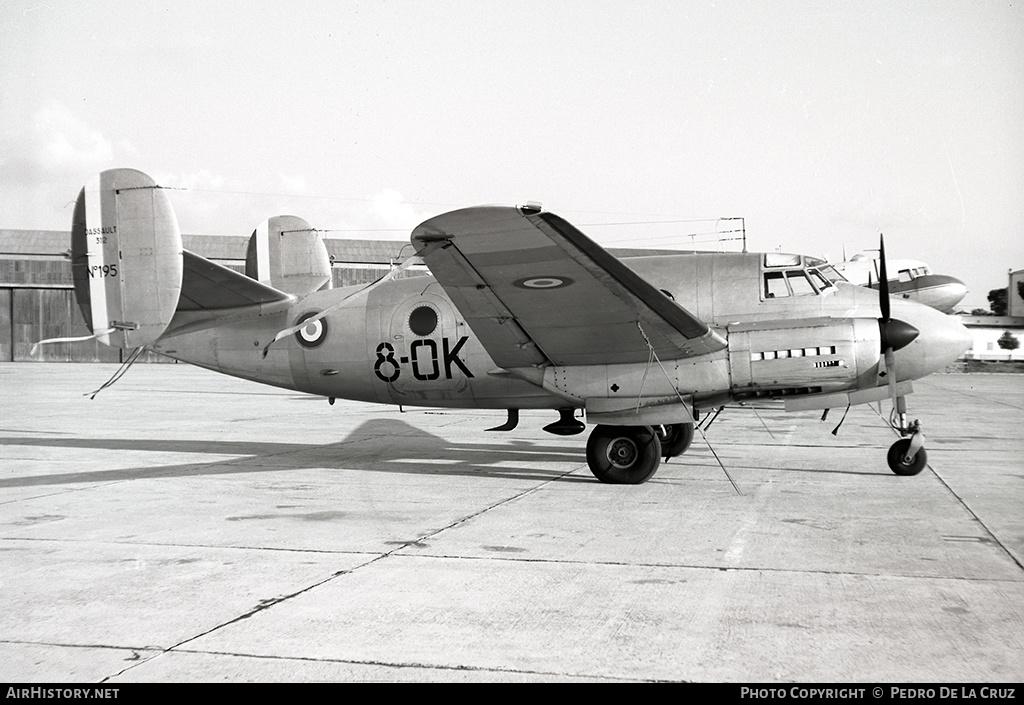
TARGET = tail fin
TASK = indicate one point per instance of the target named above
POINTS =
(126, 258)
(285, 252)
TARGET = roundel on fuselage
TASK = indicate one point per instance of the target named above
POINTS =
(314, 333)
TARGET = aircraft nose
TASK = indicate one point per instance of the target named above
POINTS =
(943, 339)
(941, 291)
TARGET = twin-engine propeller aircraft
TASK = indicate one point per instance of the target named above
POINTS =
(908, 279)
(520, 310)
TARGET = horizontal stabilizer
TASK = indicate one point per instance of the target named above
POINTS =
(209, 286)
(286, 253)
(212, 294)
(126, 258)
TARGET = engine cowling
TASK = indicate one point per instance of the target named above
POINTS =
(787, 357)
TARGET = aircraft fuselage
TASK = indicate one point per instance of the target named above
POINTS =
(402, 341)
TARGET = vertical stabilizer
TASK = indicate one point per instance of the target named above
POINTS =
(285, 252)
(126, 258)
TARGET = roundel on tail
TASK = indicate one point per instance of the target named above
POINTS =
(126, 258)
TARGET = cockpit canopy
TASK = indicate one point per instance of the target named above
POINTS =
(785, 275)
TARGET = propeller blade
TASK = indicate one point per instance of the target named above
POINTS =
(883, 280)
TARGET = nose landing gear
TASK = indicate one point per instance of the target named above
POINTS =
(907, 456)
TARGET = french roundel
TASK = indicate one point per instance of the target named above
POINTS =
(542, 282)
(313, 334)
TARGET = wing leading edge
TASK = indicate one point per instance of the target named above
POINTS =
(536, 290)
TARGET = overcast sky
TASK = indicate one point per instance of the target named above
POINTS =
(821, 123)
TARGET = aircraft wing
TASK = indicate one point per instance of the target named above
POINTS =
(536, 290)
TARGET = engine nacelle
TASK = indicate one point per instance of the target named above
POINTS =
(789, 357)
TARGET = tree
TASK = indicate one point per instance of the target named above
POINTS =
(1008, 341)
(997, 300)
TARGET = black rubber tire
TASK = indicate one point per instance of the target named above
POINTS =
(895, 458)
(677, 440)
(623, 455)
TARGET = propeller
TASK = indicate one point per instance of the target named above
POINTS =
(894, 333)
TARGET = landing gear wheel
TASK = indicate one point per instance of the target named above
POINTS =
(623, 455)
(897, 458)
(676, 440)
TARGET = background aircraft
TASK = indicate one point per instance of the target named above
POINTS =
(519, 310)
(908, 279)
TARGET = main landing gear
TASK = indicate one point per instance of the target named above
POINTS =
(629, 455)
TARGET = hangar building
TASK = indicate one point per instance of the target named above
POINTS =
(37, 299)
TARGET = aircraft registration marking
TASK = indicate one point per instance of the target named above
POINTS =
(423, 361)
(102, 270)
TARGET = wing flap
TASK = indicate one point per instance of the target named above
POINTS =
(574, 303)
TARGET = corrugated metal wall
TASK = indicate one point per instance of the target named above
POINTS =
(29, 315)
(39, 314)
(37, 300)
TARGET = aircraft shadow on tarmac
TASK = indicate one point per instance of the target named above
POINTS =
(377, 445)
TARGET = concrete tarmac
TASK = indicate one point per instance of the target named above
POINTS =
(186, 526)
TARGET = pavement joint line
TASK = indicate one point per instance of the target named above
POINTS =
(715, 568)
(263, 605)
(189, 545)
(271, 602)
(27, 642)
(395, 664)
(978, 520)
(396, 553)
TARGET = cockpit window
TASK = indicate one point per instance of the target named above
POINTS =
(775, 285)
(794, 282)
(831, 273)
(802, 276)
(779, 259)
(818, 279)
(799, 283)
